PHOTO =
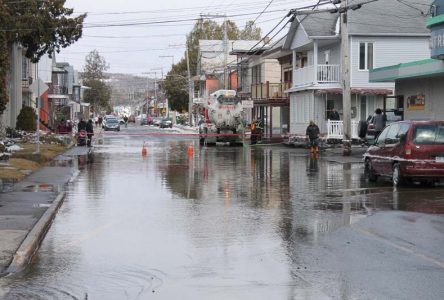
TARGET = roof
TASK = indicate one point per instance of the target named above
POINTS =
(383, 17)
(277, 50)
(415, 69)
(393, 17)
(322, 24)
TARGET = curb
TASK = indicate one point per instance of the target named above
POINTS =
(31, 243)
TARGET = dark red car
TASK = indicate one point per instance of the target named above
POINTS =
(408, 151)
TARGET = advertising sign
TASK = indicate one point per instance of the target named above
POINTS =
(416, 102)
(437, 42)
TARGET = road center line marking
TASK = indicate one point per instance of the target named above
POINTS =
(400, 247)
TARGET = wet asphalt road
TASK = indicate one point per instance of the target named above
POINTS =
(233, 223)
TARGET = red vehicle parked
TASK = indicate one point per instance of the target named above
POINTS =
(408, 151)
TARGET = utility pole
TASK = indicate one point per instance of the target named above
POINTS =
(346, 92)
(226, 53)
(190, 91)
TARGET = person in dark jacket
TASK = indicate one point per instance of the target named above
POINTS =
(82, 125)
(89, 132)
(378, 122)
(334, 115)
(312, 133)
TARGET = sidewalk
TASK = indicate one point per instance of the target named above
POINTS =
(27, 210)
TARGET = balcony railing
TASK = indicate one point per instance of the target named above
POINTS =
(335, 129)
(324, 74)
(269, 90)
(58, 90)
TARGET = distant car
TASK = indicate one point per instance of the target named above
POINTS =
(112, 124)
(165, 123)
(121, 120)
(146, 121)
(157, 121)
(408, 151)
(131, 119)
(106, 118)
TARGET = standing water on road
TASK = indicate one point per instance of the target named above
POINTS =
(231, 223)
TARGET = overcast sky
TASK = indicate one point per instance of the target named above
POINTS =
(135, 49)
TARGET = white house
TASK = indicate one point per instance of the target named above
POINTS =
(381, 33)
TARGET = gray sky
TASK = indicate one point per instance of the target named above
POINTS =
(135, 49)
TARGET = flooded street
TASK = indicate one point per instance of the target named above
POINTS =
(263, 222)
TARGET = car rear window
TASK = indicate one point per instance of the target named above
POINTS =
(112, 121)
(429, 134)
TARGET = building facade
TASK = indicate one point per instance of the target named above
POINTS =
(374, 39)
(420, 84)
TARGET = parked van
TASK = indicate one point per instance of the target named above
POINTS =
(408, 151)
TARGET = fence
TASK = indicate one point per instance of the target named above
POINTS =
(335, 129)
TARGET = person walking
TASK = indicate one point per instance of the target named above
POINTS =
(378, 122)
(89, 132)
(312, 133)
(125, 119)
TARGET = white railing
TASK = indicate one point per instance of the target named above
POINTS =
(324, 74)
(303, 76)
(329, 73)
(335, 129)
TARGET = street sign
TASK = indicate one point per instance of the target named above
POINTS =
(247, 104)
(38, 87)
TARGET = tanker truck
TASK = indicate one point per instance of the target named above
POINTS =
(222, 118)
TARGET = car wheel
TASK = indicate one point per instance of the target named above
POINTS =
(397, 175)
(371, 175)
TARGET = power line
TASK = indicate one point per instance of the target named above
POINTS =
(254, 21)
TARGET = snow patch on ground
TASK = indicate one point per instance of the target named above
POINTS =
(14, 148)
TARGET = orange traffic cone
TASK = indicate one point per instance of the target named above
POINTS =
(190, 150)
(144, 150)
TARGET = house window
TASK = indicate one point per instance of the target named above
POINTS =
(365, 56)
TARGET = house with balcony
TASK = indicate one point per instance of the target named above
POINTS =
(264, 78)
(64, 94)
(380, 33)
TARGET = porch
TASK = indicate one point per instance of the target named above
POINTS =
(319, 74)
(271, 106)
(269, 90)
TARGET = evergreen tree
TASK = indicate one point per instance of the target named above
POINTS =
(41, 27)
(98, 93)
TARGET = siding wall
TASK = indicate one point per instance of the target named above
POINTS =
(387, 51)
(300, 38)
(432, 88)
(301, 111)
(272, 71)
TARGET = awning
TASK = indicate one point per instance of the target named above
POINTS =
(356, 91)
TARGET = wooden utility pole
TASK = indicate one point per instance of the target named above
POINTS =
(190, 90)
(226, 53)
(346, 92)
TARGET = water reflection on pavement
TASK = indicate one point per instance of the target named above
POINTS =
(231, 223)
